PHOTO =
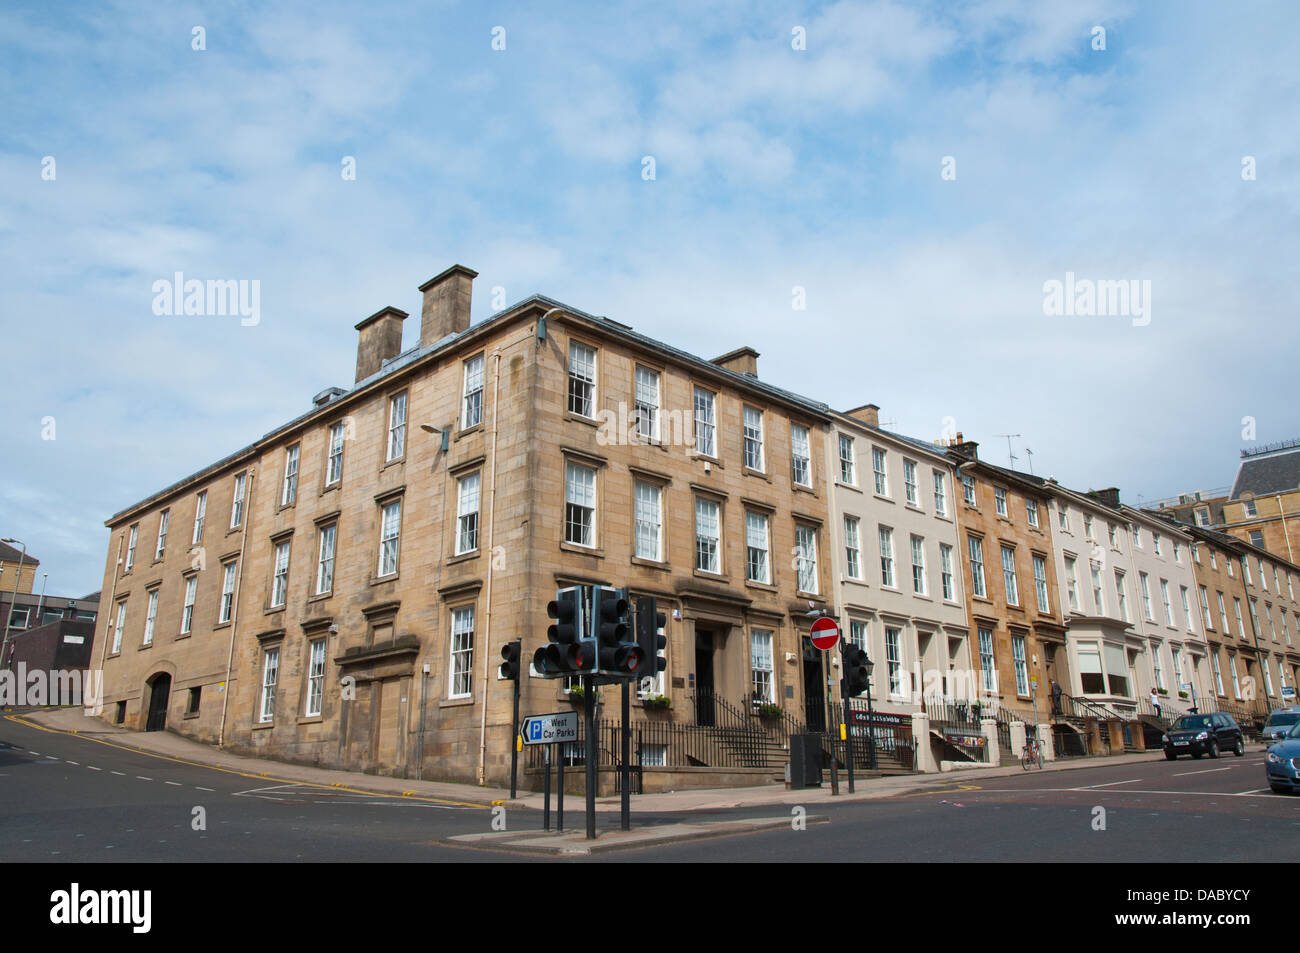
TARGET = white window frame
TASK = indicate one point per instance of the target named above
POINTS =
(910, 492)
(880, 471)
(975, 550)
(752, 426)
(706, 422)
(920, 582)
(940, 493)
(119, 625)
(130, 546)
(806, 558)
(801, 455)
(647, 531)
(334, 458)
(200, 512)
(1040, 582)
(647, 390)
(237, 501)
(161, 548)
(471, 410)
(946, 577)
(582, 379)
(758, 531)
(580, 504)
(187, 610)
(226, 609)
(1010, 583)
(396, 427)
(762, 670)
(289, 489)
(325, 560)
(708, 535)
(280, 580)
(390, 538)
(852, 547)
(1000, 501)
(270, 675)
(460, 672)
(150, 617)
(315, 677)
(885, 539)
(848, 468)
(467, 513)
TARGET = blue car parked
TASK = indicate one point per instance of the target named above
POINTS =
(1282, 764)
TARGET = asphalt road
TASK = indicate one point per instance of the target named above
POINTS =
(70, 798)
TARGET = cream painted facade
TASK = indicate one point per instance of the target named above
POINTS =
(898, 586)
(1113, 586)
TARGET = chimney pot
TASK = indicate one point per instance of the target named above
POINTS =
(379, 339)
(446, 303)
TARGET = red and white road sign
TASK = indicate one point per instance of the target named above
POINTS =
(825, 633)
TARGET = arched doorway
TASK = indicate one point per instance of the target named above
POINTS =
(160, 688)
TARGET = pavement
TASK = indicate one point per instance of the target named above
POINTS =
(168, 744)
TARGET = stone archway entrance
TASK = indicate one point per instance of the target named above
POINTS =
(160, 688)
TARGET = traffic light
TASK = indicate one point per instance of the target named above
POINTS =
(857, 673)
(510, 664)
(648, 623)
(569, 651)
(619, 655)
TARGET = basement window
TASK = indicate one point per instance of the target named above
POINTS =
(192, 705)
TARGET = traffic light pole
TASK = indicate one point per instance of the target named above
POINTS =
(514, 744)
(848, 722)
(593, 753)
(626, 769)
(830, 720)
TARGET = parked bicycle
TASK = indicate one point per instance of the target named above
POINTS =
(1031, 754)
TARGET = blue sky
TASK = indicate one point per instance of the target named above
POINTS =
(775, 168)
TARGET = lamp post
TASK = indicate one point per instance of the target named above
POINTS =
(4, 647)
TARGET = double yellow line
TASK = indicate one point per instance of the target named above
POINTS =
(262, 776)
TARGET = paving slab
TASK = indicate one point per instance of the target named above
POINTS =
(575, 842)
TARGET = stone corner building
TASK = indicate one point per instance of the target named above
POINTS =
(338, 591)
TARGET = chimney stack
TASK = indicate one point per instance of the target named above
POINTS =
(867, 413)
(1108, 496)
(446, 304)
(743, 360)
(380, 339)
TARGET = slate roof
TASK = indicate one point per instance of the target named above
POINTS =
(11, 554)
(1268, 473)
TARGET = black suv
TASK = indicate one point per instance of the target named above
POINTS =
(1204, 734)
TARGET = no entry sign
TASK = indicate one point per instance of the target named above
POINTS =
(825, 633)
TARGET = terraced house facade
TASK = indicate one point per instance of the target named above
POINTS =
(337, 592)
(1018, 637)
(899, 591)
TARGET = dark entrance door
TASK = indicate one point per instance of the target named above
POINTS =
(704, 714)
(814, 699)
(159, 690)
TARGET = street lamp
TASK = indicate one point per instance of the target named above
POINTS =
(4, 647)
(446, 435)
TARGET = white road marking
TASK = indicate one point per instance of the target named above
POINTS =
(1089, 787)
(1252, 793)
(203, 789)
(1184, 774)
(141, 777)
(73, 762)
(93, 768)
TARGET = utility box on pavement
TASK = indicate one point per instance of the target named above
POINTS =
(805, 761)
